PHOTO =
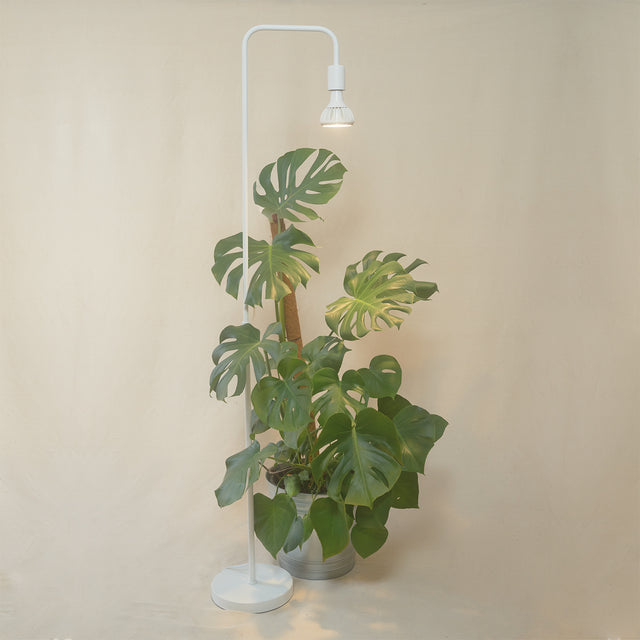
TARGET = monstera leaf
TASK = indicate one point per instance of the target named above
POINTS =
(382, 378)
(351, 393)
(289, 197)
(243, 469)
(295, 536)
(324, 351)
(422, 290)
(418, 430)
(378, 292)
(284, 403)
(333, 395)
(331, 523)
(273, 520)
(274, 262)
(366, 454)
(404, 494)
(240, 346)
(369, 533)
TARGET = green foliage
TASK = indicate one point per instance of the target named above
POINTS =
(359, 462)
(331, 523)
(335, 395)
(273, 518)
(241, 346)
(378, 290)
(324, 351)
(366, 453)
(404, 494)
(243, 469)
(284, 402)
(279, 267)
(290, 196)
(292, 485)
(382, 378)
(351, 393)
(369, 532)
(295, 535)
(417, 428)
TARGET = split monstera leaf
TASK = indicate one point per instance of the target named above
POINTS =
(346, 437)
(290, 197)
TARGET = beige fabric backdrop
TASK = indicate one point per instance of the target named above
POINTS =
(498, 139)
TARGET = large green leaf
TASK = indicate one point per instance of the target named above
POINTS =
(382, 378)
(390, 406)
(333, 395)
(331, 523)
(380, 292)
(324, 351)
(369, 533)
(366, 454)
(418, 430)
(273, 263)
(256, 425)
(404, 494)
(284, 403)
(295, 535)
(239, 347)
(423, 290)
(290, 195)
(273, 519)
(243, 468)
(349, 395)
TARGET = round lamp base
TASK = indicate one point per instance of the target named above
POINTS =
(231, 589)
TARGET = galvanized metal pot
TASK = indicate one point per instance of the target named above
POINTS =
(307, 562)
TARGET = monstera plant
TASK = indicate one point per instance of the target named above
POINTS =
(348, 438)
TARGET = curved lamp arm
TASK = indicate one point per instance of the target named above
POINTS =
(289, 27)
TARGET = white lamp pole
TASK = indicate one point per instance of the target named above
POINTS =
(252, 587)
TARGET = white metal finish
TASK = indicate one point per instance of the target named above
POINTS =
(336, 77)
(232, 589)
(336, 114)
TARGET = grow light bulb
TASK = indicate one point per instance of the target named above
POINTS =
(336, 114)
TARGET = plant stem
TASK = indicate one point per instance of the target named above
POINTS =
(291, 464)
(278, 318)
(283, 319)
(266, 359)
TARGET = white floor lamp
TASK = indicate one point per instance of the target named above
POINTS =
(252, 587)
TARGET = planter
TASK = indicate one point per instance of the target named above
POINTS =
(307, 562)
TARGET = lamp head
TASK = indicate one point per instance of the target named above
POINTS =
(336, 114)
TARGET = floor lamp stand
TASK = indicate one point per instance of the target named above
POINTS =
(252, 587)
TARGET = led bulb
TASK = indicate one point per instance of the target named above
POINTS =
(337, 114)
